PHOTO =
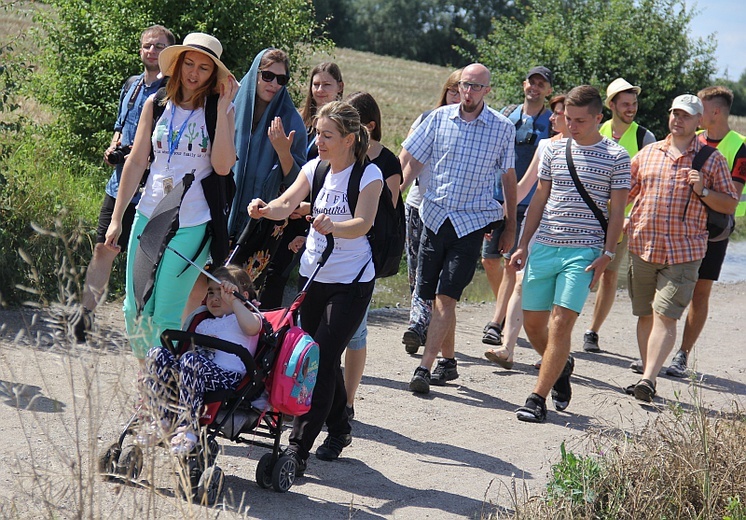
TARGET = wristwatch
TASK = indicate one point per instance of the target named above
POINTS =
(610, 254)
(705, 193)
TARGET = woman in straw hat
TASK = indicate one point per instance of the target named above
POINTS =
(182, 152)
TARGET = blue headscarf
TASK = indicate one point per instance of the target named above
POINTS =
(258, 171)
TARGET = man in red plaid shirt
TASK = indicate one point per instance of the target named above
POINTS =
(668, 232)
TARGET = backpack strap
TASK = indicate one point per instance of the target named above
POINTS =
(581, 189)
(353, 186)
(699, 160)
(641, 133)
(322, 168)
(131, 101)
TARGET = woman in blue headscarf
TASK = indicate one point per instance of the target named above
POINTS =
(271, 146)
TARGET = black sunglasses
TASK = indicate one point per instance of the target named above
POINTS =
(268, 76)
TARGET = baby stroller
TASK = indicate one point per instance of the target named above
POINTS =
(285, 365)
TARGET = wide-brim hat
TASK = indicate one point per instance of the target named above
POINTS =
(195, 42)
(617, 86)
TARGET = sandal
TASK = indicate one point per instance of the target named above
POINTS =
(645, 390)
(492, 334)
(183, 442)
(494, 356)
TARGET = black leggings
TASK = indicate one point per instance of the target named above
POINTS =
(331, 313)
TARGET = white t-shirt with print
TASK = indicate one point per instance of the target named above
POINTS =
(350, 255)
(192, 152)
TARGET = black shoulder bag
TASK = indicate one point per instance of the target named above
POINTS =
(581, 189)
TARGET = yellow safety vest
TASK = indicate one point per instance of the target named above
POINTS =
(628, 140)
(729, 146)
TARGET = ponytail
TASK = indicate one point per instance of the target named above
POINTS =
(361, 144)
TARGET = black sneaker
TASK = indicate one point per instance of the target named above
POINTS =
(561, 391)
(444, 371)
(300, 463)
(590, 342)
(333, 446)
(412, 341)
(81, 323)
(420, 382)
(535, 409)
(678, 365)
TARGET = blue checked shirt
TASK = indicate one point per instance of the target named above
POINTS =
(467, 159)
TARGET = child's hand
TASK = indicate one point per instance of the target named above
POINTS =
(226, 291)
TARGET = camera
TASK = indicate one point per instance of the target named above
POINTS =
(528, 139)
(117, 155)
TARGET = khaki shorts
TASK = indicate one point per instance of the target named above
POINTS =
(665, 289)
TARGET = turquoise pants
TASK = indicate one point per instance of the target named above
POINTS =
(174, 280)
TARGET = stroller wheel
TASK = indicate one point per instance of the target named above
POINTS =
(209, 453)
(264, 471)
(283, 474)
(189, 478)
(130, 462)
(210, 486)
(107, 462)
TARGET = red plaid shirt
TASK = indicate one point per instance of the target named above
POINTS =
(659, 230)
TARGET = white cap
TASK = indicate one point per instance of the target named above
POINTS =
(689, 103)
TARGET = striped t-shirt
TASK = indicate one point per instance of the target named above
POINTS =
(567, 220)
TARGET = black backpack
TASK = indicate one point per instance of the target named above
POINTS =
(719, 225)
(387, 234)
(219, 190)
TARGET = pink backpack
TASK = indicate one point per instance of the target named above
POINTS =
(294, 374)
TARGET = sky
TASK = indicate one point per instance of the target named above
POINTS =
(725, 17)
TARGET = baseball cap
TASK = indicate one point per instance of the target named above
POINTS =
(617, 86)
(543, 72)
(689, 103)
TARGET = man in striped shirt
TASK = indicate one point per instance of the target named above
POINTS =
(668, 232)
(572, 249)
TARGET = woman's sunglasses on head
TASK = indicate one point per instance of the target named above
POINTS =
(268, 76)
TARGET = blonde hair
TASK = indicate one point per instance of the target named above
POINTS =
(347, 121)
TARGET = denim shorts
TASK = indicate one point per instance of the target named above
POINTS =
(490, 245)
(360, 337)
(557, 276)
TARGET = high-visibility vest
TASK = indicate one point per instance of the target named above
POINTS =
(729, 146)
(632, 138)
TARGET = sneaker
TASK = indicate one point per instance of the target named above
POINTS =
(183, 443)
(81, 323)
(444, 371)
(637, 367)
(420, 382)
(350, 411)
(590, 342)
(535, 409)
(562, 391)
(678, 365)
(412, 341)
(300, 463)
(333, 446)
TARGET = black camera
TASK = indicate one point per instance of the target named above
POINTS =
(528, 139)
(117, 155)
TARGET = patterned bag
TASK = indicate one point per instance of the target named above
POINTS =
(295, 371)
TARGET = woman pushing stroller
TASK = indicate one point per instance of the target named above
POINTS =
(338, 297)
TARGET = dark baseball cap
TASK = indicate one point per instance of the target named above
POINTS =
(543, 72)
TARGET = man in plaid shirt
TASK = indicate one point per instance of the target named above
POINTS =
(468, 146)
(668, 232)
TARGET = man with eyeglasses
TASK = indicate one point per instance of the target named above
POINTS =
(531, 120)
(469, 146)
(131, 100)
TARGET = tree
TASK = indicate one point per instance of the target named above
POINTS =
(421, 30)
(90, 47)
(595, 41)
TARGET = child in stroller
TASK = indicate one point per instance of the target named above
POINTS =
(202, 369)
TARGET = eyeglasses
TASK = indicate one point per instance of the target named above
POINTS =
(475, 87)
(158, 46)
(453, 91)
(268, 76)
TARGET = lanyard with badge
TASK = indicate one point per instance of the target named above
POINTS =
(173, 145)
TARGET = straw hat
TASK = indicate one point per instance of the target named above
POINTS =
(614, 88)
(195, 42)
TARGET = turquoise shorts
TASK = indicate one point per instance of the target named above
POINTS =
(557, 276)
(174, 280)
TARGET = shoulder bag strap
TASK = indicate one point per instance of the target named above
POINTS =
(581, 189)
(699, 160)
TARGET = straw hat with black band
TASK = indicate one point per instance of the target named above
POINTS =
(194, 42)
(614, 88)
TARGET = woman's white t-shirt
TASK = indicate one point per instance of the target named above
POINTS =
(191, 152)
(227, 328)
(350, 255)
